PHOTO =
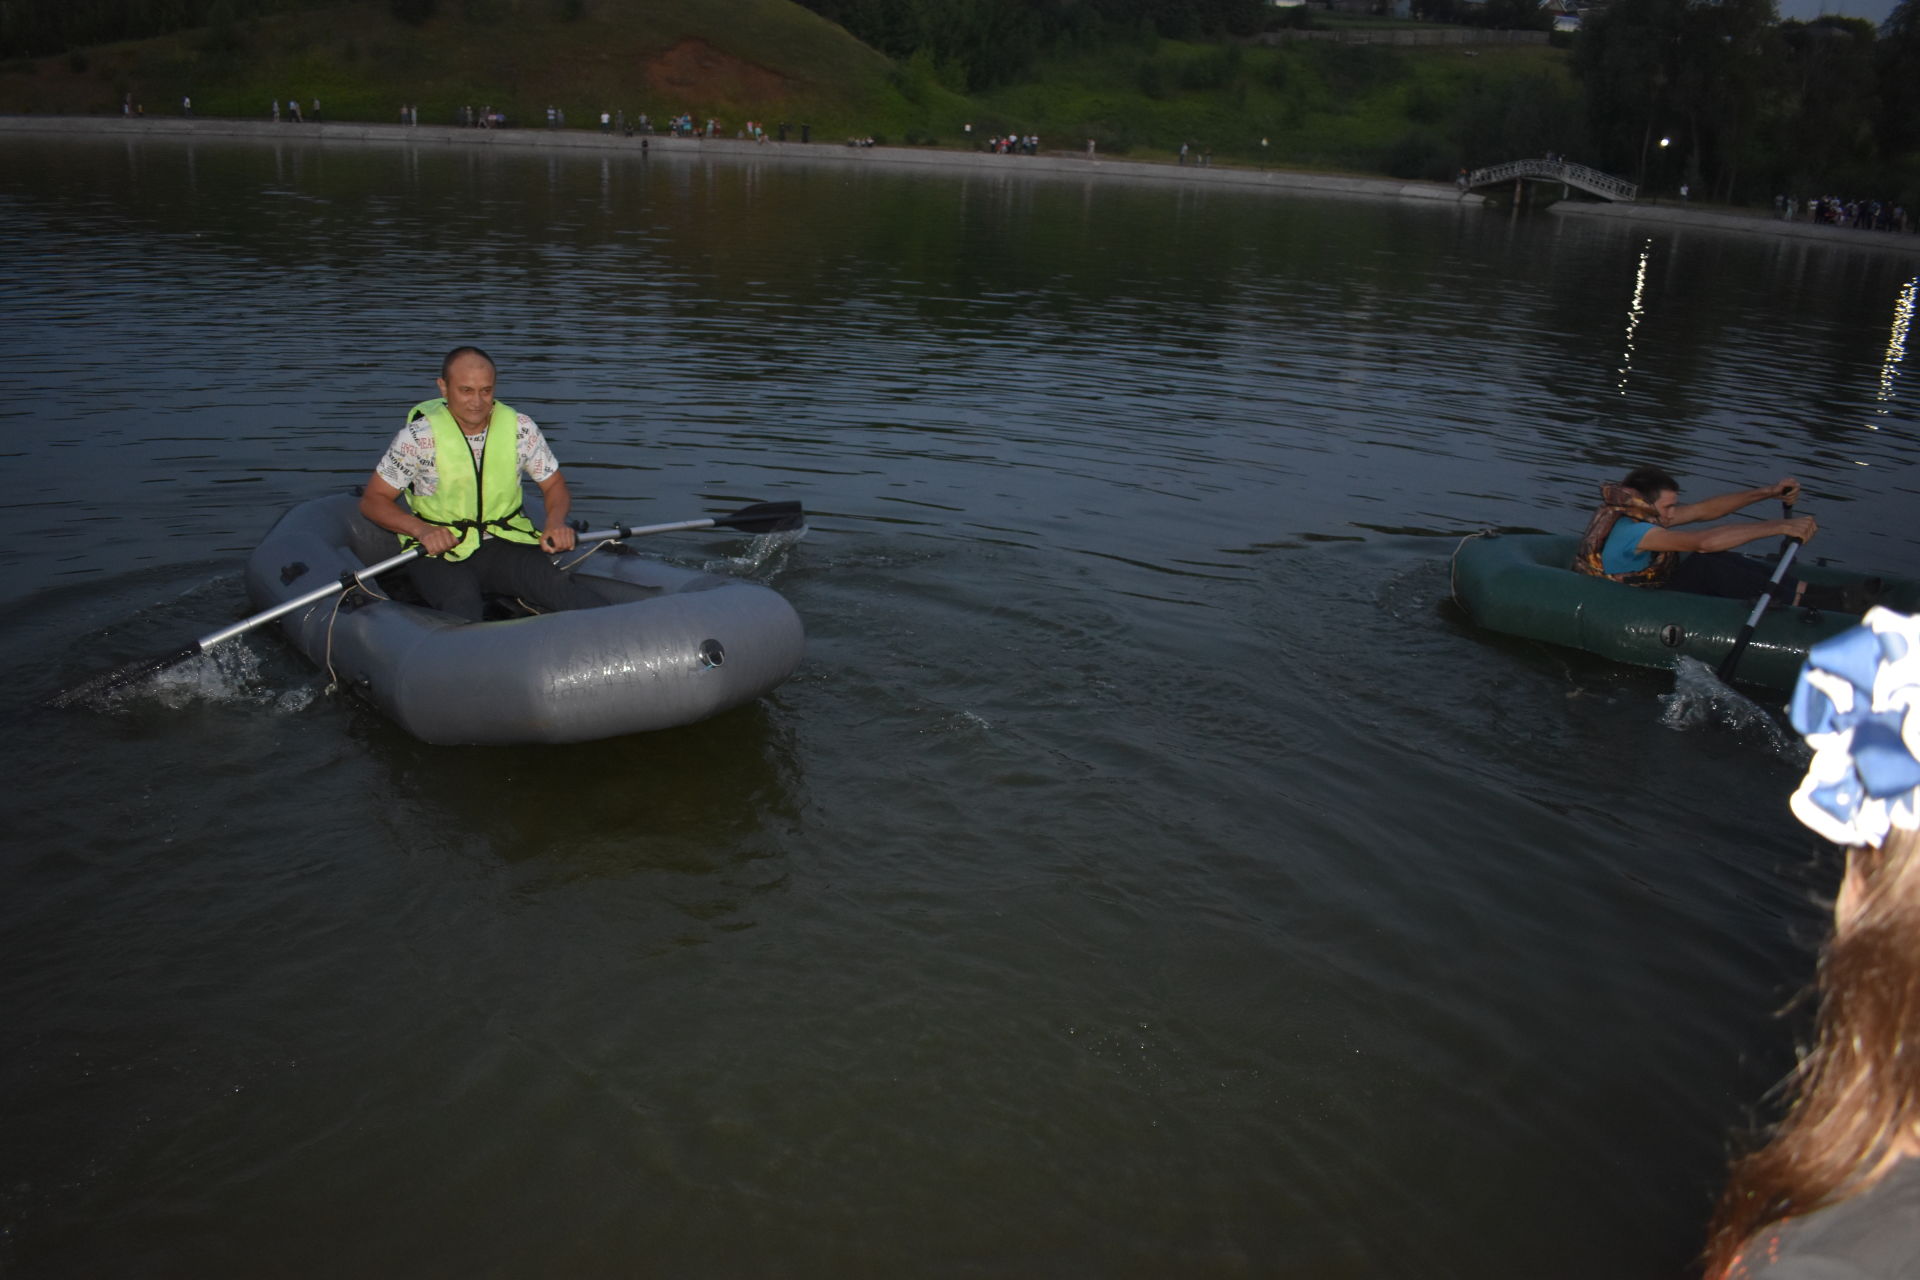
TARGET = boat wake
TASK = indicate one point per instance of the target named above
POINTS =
(1700, 701)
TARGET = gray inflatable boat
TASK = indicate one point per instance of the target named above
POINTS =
(671, 647)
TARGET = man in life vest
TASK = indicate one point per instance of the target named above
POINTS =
(1634, 538)
(459, 460)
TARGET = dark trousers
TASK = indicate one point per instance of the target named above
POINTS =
(1727, 573)
(500, 568)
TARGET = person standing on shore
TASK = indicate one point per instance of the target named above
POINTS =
(186, 107)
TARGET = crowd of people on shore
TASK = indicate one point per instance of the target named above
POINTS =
(1014, 144)
(485, 118)
(1832, 211)
(293, 115)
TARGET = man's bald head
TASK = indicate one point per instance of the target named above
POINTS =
(466, 381)
(461, 353)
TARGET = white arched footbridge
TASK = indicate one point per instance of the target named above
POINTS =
(1592, 181)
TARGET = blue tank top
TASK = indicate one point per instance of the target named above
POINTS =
(1622, 553)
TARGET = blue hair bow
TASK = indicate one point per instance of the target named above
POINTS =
(1853, 705)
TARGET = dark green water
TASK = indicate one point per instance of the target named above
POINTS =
(1147, 873)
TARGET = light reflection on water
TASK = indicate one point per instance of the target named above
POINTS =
(1896, 346)
(1146, 872)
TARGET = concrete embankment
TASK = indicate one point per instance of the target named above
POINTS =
(1646, 213)
(1065, 164)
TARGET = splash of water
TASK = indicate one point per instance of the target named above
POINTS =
(961, 722)
(228, 674)
(1700, 701)
(764, 557)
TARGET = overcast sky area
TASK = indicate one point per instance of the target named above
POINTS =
(1874, 11)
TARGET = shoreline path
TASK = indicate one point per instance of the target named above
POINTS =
(1056, 164)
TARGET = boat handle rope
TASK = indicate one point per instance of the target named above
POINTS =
(582, 558)
(352, 584)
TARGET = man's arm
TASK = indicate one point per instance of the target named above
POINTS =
(377, 504)
(1727, 536)
(1728, 503)
(558, 535)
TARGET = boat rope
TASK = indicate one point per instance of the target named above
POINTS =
(582, 559)
(339, 602)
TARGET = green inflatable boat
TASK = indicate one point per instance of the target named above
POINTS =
(1521, 584)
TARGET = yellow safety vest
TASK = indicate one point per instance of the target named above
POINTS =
(476, 501)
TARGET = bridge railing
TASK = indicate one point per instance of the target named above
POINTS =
(1577, 175)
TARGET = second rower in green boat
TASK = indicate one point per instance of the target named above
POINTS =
(1635, 537)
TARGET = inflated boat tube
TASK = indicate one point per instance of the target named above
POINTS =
(672, 646)
(1523, 585)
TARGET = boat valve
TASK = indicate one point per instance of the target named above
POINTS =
(711, 654)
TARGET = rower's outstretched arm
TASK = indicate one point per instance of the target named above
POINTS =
(1727, 536)
(1728, 503)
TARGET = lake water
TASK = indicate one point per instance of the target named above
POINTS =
(1147, 873)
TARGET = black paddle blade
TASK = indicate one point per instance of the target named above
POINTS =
(120, 677)
(765, 517)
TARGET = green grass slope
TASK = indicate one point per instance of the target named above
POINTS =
(767, 60)
(1404, 111)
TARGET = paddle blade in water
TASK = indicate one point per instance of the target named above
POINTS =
(121, 677)
(765, 517)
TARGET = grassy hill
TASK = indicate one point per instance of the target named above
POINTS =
(736, 59)
(1410, 112)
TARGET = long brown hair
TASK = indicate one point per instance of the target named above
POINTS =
(1855, 1097)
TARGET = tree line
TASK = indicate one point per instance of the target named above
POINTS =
(36, 28)
(1751, 107)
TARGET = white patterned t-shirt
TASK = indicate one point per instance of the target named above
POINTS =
(410, 461)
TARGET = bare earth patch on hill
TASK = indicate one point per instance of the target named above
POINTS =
(703, 73)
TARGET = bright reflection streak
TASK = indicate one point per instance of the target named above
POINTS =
(1896, 343)
(1634, 312)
